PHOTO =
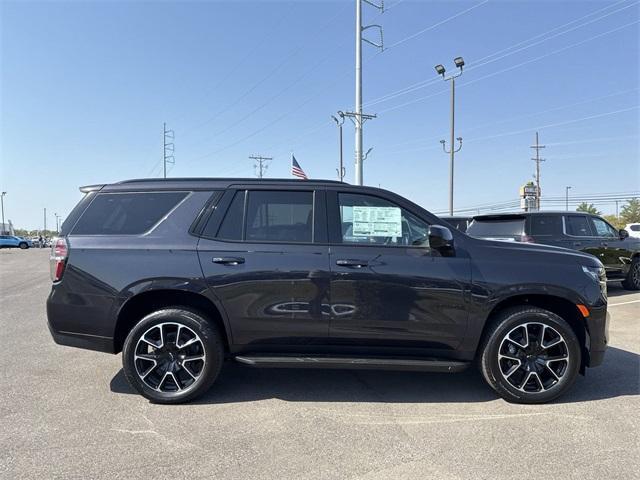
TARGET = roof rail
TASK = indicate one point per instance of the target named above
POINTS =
(225, 179)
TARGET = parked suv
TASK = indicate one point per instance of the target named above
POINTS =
(182, 274)
(576, 230)
(11, 241)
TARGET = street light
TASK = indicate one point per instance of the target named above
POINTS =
(566, 194)
(2, 203)
(341, 170)
(440, 70)
(57, 217)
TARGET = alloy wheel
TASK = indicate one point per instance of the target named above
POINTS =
(533, 357)
(635, 273)
(169, 357)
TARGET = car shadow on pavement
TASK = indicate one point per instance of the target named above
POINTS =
(618, 376)
(615, 290)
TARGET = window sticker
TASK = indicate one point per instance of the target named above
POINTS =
(377, 221)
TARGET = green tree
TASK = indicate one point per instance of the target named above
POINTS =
(615, 221)
(630, 213)
(587, 208)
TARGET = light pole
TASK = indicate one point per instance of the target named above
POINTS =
(440, 70)
(2, 203)
(566, 195)
(57, 217)
(341, 170)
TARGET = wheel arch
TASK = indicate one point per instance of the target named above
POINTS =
(561, 306)
(140, 305)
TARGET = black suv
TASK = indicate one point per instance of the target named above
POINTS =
(182, 274)
(576, 230)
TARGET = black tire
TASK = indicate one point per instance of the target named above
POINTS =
(176, 386)
(23, 245)
(553, 375)
(632, 281)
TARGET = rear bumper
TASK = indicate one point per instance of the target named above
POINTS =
(81, 340)
(598, 339)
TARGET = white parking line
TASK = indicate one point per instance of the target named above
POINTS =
(623, 303)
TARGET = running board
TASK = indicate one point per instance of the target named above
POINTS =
(415, 364)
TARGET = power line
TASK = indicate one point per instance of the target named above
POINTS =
(271, 31)
(518, 117)
(493, 74)
(270, 74)
(435, 25)
(484, 60)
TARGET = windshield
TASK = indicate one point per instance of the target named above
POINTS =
(496, 228)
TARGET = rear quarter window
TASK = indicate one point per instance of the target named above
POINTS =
(496, 228)
(126, 213)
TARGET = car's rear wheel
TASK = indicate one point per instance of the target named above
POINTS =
(632, 281)
(530, 355)
(23, 245)
(173, 355)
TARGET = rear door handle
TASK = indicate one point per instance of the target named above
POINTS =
(604, 244)
(228, 260)
(577, 244)
(352, 263)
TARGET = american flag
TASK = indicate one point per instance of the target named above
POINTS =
(296, 170)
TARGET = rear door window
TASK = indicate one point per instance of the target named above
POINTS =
(279, 216)
(546, 225)
(126, 213)
(577, 226)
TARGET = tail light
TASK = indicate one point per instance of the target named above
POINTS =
(58, 259)
(527, 239)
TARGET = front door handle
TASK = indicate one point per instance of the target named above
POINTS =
(228, 260)
(347, 262)
(604, 244)
(577, 244)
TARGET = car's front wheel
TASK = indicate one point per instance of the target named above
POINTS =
(172, 355)
(632, 281)
(530, 355)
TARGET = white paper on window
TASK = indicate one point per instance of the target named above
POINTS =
(377, 222)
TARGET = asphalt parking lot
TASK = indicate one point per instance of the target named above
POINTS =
(68, 413)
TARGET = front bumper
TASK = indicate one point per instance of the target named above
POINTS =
(598, 335)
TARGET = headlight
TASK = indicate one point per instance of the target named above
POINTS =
(597, 274)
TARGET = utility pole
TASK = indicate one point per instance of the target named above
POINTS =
(537, 147)
(45, 222)
(340, 122)
(261, 164)
(57, 217)
(566, 194)
(617, 216)
(2, 203)
(358, 119)
(168, 148)
(440, 70)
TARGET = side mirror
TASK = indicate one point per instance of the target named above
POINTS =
(441, 240)
(623, 234)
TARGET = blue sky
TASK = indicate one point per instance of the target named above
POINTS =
(86, 87)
